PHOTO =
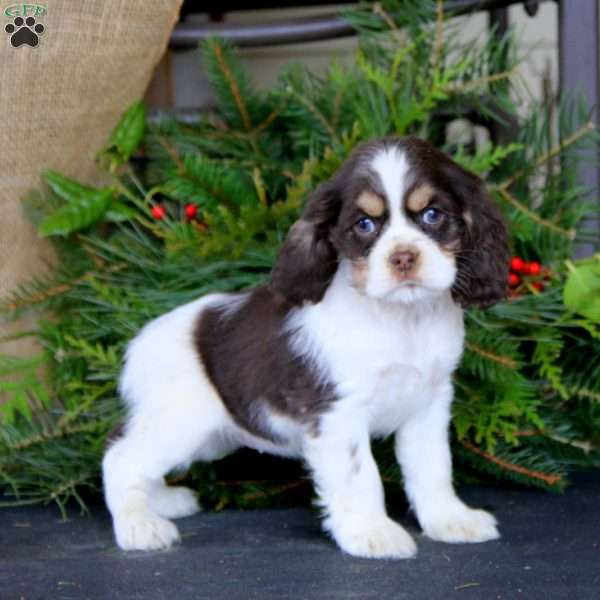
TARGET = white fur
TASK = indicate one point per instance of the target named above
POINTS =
(390, 359)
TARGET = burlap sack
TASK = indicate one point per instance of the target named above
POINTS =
(60, 99)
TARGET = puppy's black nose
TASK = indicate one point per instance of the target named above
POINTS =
(403, 261)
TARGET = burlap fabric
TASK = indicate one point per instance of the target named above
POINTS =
(59, 101)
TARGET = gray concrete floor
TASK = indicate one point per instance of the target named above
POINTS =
(550, 549)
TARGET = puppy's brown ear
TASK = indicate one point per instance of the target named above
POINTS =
(307, 260)
(483, 260)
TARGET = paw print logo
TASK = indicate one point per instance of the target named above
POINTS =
(24, 31)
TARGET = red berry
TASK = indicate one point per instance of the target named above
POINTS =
(513, 280)
(158, 211)
(191, 210)
(538, 285)
(517, 264)
(535, 268)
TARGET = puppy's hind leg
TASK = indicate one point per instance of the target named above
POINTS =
(173, 502)
(134, 467)
(129, 476)
(175, 417)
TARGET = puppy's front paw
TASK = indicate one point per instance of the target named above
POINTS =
(456, 523)
(144, 530)
(374, 538)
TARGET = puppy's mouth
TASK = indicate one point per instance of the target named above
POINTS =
(408, 281)
(410, 290)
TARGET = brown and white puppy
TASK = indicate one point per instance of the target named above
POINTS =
(356, 335)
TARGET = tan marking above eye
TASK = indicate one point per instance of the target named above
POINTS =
(371, 204)
(419, 198)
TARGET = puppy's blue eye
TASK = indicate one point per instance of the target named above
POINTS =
(432, 216)
(365, 226)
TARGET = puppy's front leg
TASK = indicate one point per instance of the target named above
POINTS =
(423, 451)
(351, 493)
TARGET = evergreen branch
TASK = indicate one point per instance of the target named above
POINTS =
(568, 233)
(57, 495)
(235, 91)
(505, 361)
(480, 81)
(172, 152)
(552, 153)
(267, 492)
(259, 185)
(56, 433)
(547, 478)
(304, 100)
(439, 34)
(44, 295)
(269, 119)
(585, 446)
(61, 288)
(16, 503)
(588, 394)
(337, 105)
(393, 28)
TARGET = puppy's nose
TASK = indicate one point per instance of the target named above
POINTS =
(403, 261)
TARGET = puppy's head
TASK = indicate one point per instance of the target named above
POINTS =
(409, 224)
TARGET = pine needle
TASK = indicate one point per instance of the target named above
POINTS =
(547, 478)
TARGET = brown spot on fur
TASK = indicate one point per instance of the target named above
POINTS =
(360, 272)
(419, 198)
(253, 382)
(371, 204)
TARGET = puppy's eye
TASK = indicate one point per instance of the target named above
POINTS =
(432, 217)
(365, 226)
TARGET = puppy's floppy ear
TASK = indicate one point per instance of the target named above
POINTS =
(308, 260)
(483, 260)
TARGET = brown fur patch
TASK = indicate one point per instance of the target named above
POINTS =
(419, 198)
(371, 204)
(251, 382)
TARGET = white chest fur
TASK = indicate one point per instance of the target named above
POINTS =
(384, 359)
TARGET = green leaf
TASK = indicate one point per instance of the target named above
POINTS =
(125, 138)
(582, 289)
(129, 132)
(66, 188)
(80, 213)
(85, 206)
(119, 212)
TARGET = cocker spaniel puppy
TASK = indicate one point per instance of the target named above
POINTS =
(356, 335)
